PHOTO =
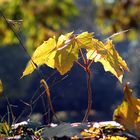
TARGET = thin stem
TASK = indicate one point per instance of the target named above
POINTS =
(10, 109)
(8, 115)
(22, 45)
(86, 67)
(17, 36)
(89, 95)
(80, 65)
(83, 57)
(92, 59)
(90, 63)
(43, 82)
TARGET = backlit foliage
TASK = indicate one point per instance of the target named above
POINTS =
(60, 53)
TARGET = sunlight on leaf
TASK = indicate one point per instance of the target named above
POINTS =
(67, 53)
(61, 52)
(128, 113)
(84, 40)
(109, 58)
(44, 54)
(56, 54)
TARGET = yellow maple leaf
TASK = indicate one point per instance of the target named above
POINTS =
(42, 55)
(128, 113)
(84, 40)
(67, 53)
(62, 52)
(108, 57)
(58, 54)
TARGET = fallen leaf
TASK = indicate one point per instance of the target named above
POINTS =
(128, 113)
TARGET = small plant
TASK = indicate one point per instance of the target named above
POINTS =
(62, 52)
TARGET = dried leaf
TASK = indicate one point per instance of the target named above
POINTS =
(128, 113)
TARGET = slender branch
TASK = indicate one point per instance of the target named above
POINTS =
(80, 64)
(89, 65)
(17, 36)
(88, 72)
(21, 43)
(92, 61)
(89, 95)
(82, 54)
(83, 57)
(43, 82)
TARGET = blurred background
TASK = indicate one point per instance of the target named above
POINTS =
(36, 21)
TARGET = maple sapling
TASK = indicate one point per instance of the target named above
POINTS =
(61, 53)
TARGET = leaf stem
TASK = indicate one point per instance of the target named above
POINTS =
(91, 62)
(88, 72)
(80, 65)
(83, 57)
(86, 67)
